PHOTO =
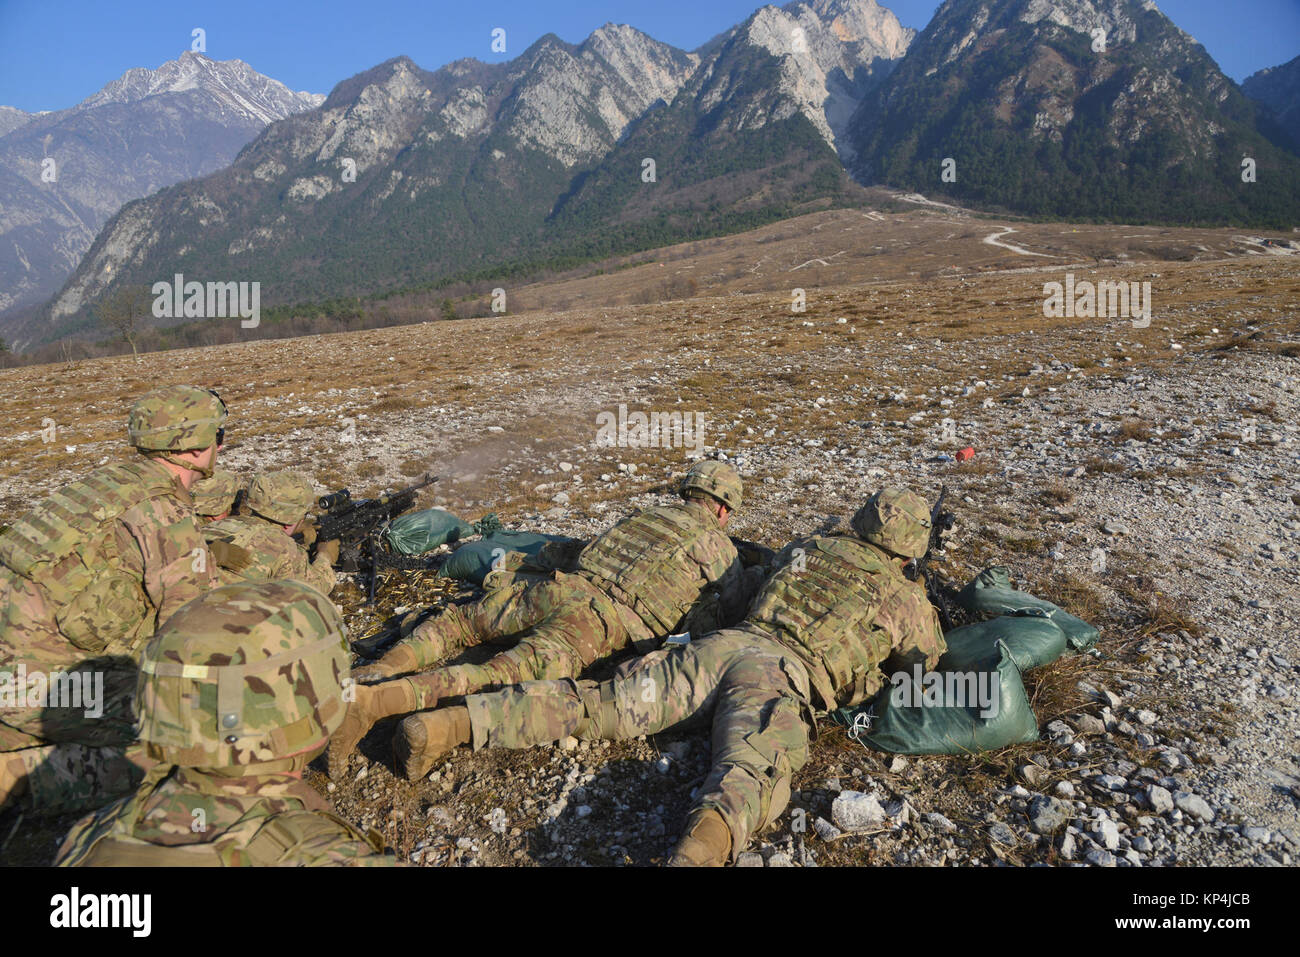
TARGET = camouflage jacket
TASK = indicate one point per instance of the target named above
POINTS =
(846, 608)
(99, 565)
(187, 817)
(673, 567)
(250, 548)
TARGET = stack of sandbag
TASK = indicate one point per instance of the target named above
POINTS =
(975, 699)
(990, 593)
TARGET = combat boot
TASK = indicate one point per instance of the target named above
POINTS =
(706, 841)
(371, 703)
(400, 660)
(427, 736)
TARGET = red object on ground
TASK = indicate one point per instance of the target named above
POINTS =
(966, 453)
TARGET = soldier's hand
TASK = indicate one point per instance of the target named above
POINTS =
(308, 533)
(329, 549)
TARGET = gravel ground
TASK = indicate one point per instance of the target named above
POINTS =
(1145, 479)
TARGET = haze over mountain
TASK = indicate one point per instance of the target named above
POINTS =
(1042, 117)
(143, 131)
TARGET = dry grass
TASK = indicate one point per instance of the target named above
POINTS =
(979, 465)
(1138, 429)
(414, 467)
(393, 403)
(1104, 466)
(1056, 493)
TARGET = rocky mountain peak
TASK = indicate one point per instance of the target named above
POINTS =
(145, 130)
(1278, 90)
(234, 82)
(641, 59)
(830, 52)
(11, 118)
(573, 103)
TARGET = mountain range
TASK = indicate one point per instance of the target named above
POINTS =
(1073, 109)
(486, 173)
(64, 173)
(496, 169)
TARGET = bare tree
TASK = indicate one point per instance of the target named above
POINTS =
(125, 312)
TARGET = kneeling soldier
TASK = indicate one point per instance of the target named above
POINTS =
(86, 577)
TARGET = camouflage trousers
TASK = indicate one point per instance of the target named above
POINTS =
(75, 758)
(556, 628)
(756, 691)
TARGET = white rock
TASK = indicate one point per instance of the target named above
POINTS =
(1194, 805)
(1106, 834)
(1161, 801)
(855, 811)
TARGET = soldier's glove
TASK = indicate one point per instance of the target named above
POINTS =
(329, 549)
(308, 533)
(399, 660)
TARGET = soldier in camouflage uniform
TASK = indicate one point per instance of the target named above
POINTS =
(85, 577)
(838, 610)
(257, 545)
(238, 693)
(214, 498)
(664, 569)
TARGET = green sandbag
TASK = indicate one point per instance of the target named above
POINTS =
(953, 712)
(472, 561)
(990, 593)
(419, 532)
(1031, 636)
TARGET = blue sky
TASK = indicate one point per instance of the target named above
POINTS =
(54, 53)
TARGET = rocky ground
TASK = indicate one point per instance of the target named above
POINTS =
(1146, 479)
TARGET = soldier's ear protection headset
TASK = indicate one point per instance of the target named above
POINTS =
(221, 432)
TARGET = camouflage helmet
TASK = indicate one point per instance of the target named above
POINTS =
(896, 519)
(717, 479)
(282, 497)
(176, 418)
(216, 495)
(248, 675)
